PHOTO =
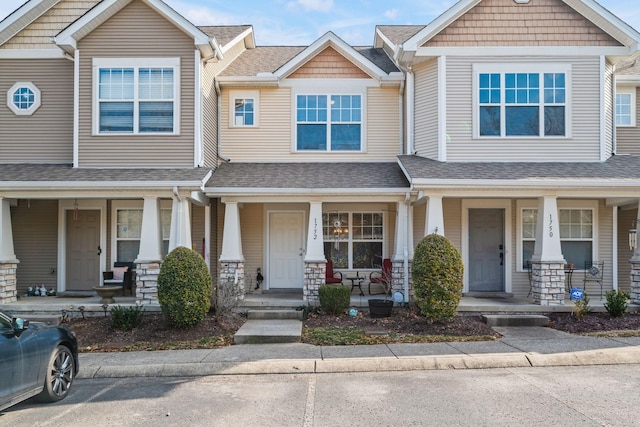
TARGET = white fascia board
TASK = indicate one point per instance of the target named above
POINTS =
(438, 24)
(241, 38)
(129, 185)
(379, 35)
(233, 191)
(623, 80)
(269, 80)
(560, 51)
(31, 53)
(31, 10)
(607, 21)
(329, 39)
(492, 184)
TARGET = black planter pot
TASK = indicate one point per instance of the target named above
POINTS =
(380, 307)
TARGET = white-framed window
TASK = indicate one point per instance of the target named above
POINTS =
(127, 226)
(354, 240)
(626, 107)
(329, 122)
(577, 233)
(23, 98)
(136, 96)
(521, 101)
(244, 108)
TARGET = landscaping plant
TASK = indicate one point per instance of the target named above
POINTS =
(582, 307)
(617, 302)
(334, 299)
(437, 273)
(184, 288)
(126, 318)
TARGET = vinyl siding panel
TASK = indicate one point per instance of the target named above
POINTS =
(628, 138)
(604, 251)
(625, 218)
(35, 239)
(137, 31)
(253, 243)
(609, 110)
(47, 135)
(584, 117)
(271, 140)
(426, 109)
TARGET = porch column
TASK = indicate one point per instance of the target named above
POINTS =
(547, 260)
(149, 258)
(315, 263)
(401, 251)
(635, 268)
(434, 218)
(231, 280)
(180, 234)
(8, 260)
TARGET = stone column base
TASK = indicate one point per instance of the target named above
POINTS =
(147, 281)
(231, 282)
(8, 281)
(547, 282)
(314, 277)
(397, 277)
(635, 282)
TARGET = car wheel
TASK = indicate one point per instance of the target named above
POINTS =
(59, 375)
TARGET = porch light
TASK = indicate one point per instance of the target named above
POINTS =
(633, 235)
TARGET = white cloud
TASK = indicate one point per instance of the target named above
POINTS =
(311, 5)
(391, 14)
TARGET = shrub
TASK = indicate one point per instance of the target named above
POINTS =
(616, 304)
(334, 299)
(184, 288)
(126, 318)
(437, 273)
(582, 307)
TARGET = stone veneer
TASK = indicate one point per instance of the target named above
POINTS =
(314, 277)
(147, 281)
(8, 281)
(233, 272)
(547, 283)
(635, 282)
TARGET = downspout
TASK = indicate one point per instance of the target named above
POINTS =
(409, 100)
(178, 218)
(219, 119)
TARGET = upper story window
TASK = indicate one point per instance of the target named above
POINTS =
(136, 96)
(521, 104)
(626, 107)
(329, 122)
(244, 107)
(23, 98)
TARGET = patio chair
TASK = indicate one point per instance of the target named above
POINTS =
(331, 275)
(593, 273)
(382, 277)
(120, 275)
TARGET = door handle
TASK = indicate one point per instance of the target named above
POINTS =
(501, 258)
(99, 250)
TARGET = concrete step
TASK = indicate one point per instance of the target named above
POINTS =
(274, 314)
(515, 320)
(48, 319)
(269, 331)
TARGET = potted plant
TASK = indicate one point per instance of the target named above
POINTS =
(382, 307)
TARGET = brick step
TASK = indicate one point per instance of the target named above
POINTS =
(515, 320)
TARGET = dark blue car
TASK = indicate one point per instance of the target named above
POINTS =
(35, 360)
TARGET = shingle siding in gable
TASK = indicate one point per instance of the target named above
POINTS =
(329, 64)
(426, 109)
(507, 23)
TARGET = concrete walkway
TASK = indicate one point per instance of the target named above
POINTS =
(519, 347)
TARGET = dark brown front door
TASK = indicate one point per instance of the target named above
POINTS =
(83, 250)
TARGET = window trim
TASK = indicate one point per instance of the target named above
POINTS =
(36, 101)
(562, 205)
(507, 68)
(244, 94)
(631, 91)
(136, 64)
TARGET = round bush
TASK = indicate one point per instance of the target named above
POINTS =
(334, 299)
(437, 272)
(184, 288)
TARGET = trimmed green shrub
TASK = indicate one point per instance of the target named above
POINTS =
(184, 288)
(437, 273)
(617, 302)
(126, 318)
(334, 299)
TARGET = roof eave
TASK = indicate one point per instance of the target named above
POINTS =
(266, 79)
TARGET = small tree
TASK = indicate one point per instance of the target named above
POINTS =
(437, 272)
(184, 288)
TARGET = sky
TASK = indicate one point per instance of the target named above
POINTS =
(301, 22)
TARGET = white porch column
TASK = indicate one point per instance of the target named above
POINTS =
(231, 276)
(180, 224)
(8, 261)
(150, 256)
(635, 267)
(314, 260)
(547, 260)
(434, 218)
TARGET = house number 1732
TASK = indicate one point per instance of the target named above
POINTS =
(550, 226)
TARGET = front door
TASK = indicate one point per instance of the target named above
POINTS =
(83, 250)
(486, 250)
(286, 245)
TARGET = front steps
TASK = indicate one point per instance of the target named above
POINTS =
(515, 320)
(270, 326)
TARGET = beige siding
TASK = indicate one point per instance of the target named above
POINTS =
(536, 23)
(37, 35)
(625, 218)
(253, 244)
(329, 64)
(47, 135)
(197, 228)
(35, 239)
(604, 251)
(628, 138)
(452, 210)
(137, 32)
(609, 110)
(584, 144)
(271, 140)
(426, 109)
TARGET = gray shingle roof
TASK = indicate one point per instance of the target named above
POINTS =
(378, 57)
(262, 59)
(224, 33)
(616, 168)
(398, 34)
(307, 175)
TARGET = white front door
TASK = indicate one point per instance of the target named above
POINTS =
(286, 243)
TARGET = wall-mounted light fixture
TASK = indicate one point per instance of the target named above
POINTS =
(633, 235)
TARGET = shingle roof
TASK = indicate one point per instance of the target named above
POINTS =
(307, 175)
(615, 169)
(262, 59)
(634, 70)
(398, 34)
(224, 33)
(378, 57)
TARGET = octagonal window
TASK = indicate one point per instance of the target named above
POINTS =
(23, 98)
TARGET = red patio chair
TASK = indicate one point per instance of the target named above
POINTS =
(331, 275)
(382, 277)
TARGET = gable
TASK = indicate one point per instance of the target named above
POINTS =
(507, 23)
(329, 64)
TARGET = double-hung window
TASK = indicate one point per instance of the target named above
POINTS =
(521, 103)
(136, 96)
(128, 228)
(353, 239)
(626, 107)
(328, 122)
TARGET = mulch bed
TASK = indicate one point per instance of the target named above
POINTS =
(594, 322)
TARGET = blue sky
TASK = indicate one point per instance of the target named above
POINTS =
(300, 22)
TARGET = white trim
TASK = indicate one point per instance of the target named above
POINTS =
(37, 98)
(603, 108)
(411, 112)
(614, 246)
(626, 90)
(488, 204)
(27, 8)
(76, 108)
(31, 54)
(442, 108)
(244, 94)
(240, 37)
(198, 118)
(553, 51)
